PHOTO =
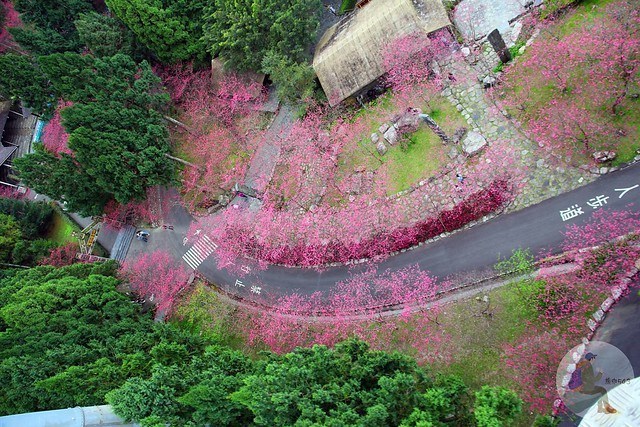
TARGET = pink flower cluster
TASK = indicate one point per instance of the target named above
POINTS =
(282, 238)
(155, 277)
(355, 308)
(54, 136)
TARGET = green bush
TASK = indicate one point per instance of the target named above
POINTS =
(29, 252)
(347, 6)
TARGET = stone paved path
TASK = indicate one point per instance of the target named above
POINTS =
(509, 151)
(266, 156)
(545, 178)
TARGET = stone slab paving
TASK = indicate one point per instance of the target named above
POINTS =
(546, 176)
(267, 155)
(477, 18)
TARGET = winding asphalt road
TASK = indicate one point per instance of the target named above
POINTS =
(539, 228)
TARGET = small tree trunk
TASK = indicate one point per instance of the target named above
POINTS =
(184, 162)
(178, 123)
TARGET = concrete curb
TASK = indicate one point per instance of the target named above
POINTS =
(593, 323)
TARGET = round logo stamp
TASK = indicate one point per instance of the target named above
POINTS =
(586, 375)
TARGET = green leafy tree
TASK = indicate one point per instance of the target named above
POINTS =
(43, 41)
(182, 389)
(117, 135)
(310, 387)
(62, 179)
(84, 79)
(243, 31)
(10, 235)
(50, 26)
(446, 403)
(170, 29)
(69, 337)
(34, 217)
(294, 81)
(104, 35)
(21, 79)
(29, 252)
(496, 407)
(521, 261)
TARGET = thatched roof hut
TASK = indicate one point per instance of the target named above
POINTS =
(349, 56)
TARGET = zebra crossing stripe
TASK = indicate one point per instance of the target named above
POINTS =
(199, 252)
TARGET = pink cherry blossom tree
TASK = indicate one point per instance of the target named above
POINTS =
(356, 307)
(156, 277)
(568, 90)
(214, 138)
(62, 255)
(11, 20)
(408, 60)
(54, 136)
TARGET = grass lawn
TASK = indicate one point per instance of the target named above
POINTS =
(477, 345)
(61, 229)
(201, 310)
(403, 165)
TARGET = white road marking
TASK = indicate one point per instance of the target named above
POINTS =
(199, 251)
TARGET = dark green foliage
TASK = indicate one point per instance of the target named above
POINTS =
(349, 385)
(27, 223)
(21, 79)
(62, 179)
(29, 252)
(104, 35)
(117, 135)
(182, 388)
(83, 79)
(43, 41)
(34, 218)
(242, 32)
(170, 29)
(51, 26)
(294, 81)
(68, 337)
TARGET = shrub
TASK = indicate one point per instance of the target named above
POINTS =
(347, 6)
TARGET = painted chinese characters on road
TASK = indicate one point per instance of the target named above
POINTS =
(574, 211)
(203, 248)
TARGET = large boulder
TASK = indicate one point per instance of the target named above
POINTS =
(391, 135)
(409, 121)
(375, 138)
(473, 143)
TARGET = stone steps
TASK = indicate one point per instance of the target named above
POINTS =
(122, 243)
